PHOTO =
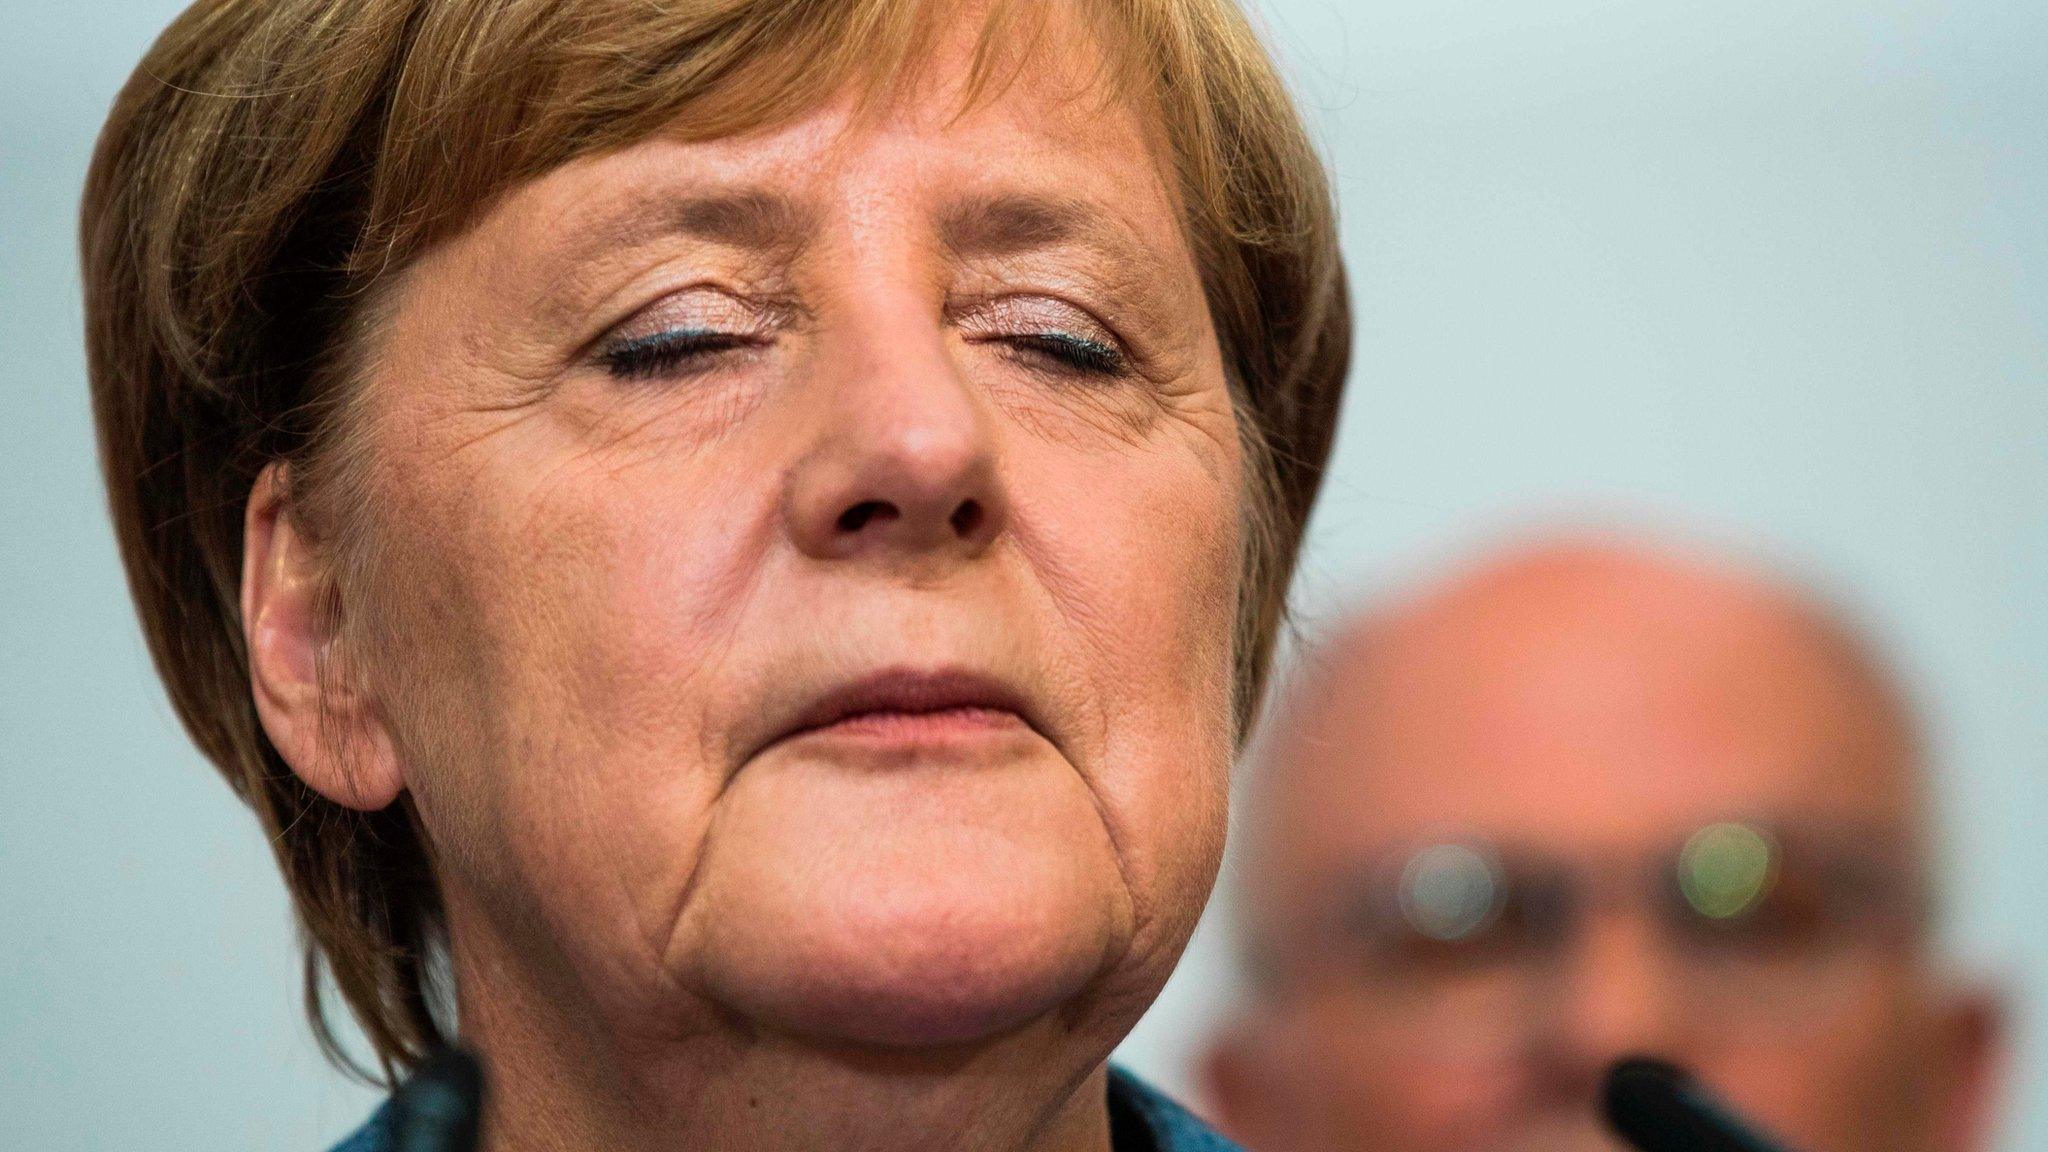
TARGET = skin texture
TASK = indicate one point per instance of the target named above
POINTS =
(1594, 702)
(595, 606)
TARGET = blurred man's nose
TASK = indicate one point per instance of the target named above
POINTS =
(1615, 993)
(901, 458)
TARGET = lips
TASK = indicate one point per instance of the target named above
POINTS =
(901, 701)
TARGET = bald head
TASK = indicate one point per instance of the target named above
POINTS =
(1582, 691)
(1554, 730)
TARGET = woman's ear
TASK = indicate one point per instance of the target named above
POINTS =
(319, 718)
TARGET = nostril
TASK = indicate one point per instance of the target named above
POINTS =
(967, 517)
(860, 515)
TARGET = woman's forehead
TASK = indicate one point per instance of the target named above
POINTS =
(1017, 173)
(1016, 170)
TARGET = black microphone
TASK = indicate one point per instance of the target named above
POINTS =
(440, 1109)
(1658, 1107)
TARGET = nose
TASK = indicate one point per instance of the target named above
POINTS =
(1615, 996)
(901, 461)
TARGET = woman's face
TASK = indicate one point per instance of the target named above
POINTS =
(805, 567)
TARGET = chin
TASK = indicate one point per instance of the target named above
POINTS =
(906, 909)
(940, 980)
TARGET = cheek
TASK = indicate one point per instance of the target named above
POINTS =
(1855, 1078)
(1142, 544)
(593, 584)
(1147, 585)
(554, 623)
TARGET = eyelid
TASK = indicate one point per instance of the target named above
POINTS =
(699, 307)
(1032, 314)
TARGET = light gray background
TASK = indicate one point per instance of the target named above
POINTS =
(1775, 272)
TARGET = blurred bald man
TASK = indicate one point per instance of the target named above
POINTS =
(1585, 801)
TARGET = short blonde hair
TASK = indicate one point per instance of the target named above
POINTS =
(272, 163)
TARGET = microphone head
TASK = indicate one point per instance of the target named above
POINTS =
(440, 1108)
(1640, 1100)
(1658, 1107)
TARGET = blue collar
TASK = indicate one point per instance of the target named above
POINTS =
(1141, 1119)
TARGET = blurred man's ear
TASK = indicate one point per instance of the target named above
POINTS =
(1974, 1051)
(322, 723)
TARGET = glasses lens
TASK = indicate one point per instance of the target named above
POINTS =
(1769, 929)
(1446, 954)
(1725, 870)
(1450, 892)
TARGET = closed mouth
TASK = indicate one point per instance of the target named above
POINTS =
(907, 703)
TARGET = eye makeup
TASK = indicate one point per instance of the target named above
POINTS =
(1047, 333)
(1076, 353)
(668, 353)
(685, 334)
(694, 331)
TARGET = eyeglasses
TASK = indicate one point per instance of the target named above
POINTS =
(1466, 939)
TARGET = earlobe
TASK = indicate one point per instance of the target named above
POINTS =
(1977, 1052)
(1230, 1085)
(326, 728)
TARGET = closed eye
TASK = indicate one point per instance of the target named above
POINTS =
(1073, 353)
(1046, 334)
(675, 352)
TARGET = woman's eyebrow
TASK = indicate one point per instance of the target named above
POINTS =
(753, 222)
(760, 222)
(748, 219)
(745, 218)
(1011, 223)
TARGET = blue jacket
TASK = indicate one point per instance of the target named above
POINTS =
(1140, 1120)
